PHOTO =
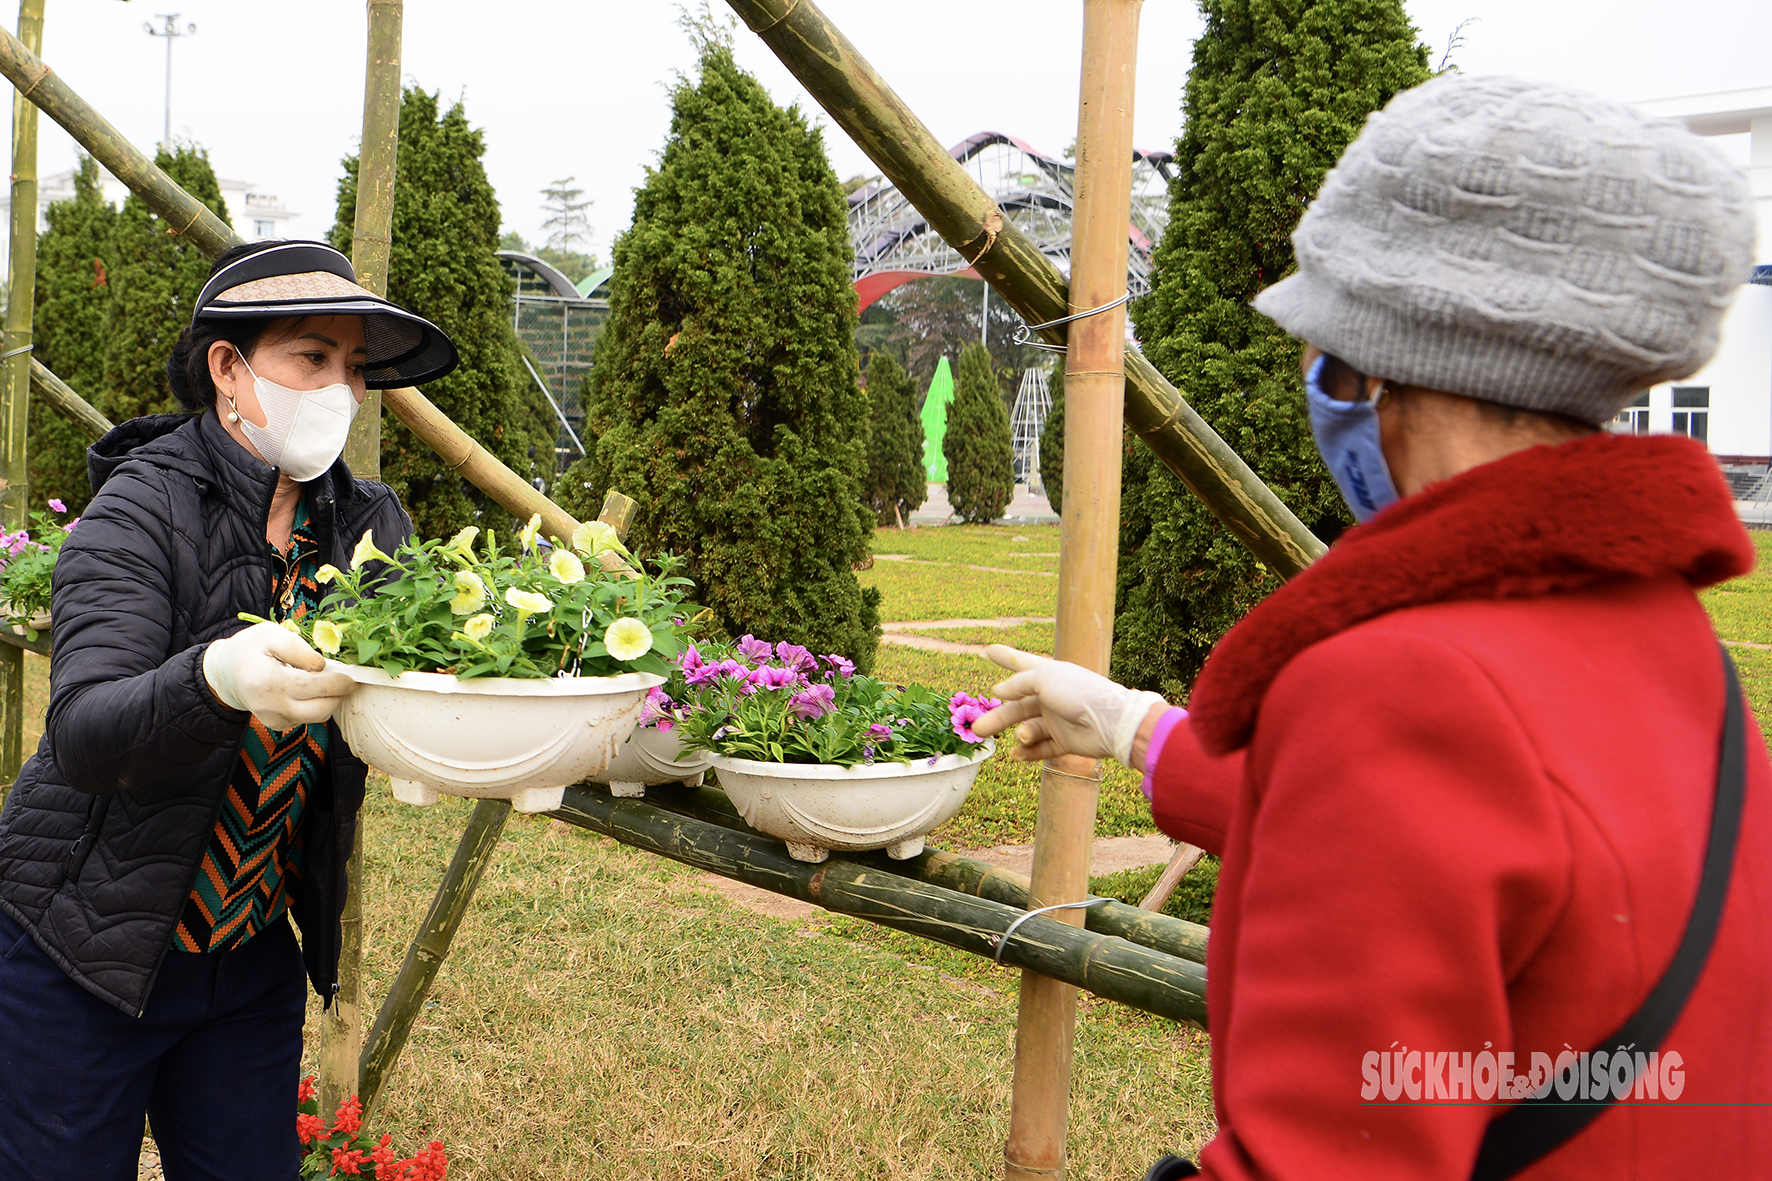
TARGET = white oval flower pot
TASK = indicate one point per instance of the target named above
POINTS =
(649, 757)
(505, 738)
(820, 807)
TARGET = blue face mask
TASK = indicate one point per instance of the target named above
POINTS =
(1347, 439)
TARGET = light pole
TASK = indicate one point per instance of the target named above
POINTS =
(171, 32)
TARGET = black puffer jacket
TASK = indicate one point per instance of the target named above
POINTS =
(104, 831)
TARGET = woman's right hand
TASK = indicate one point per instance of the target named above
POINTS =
(270, 672)
(1064, 708)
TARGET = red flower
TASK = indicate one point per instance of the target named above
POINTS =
(431, 1164)
(349, 1117)
(304, 1092)
(383, 1156)
(309, 1126)
(346, 1160)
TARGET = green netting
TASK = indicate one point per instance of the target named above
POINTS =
(935, 422)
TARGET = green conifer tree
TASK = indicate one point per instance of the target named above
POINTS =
(980, 455)
(73, 302)
(443, 264)
(1052, 442)
(154, 287)
(723, 396)
(1278, 88)
(895, 485)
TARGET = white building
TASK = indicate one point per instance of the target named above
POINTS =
(1728, 403)
(255, 214)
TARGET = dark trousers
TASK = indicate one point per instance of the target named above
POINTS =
(212, 1061)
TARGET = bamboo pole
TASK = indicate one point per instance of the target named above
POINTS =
(191, 218)
(1094, 386)
(430, 947)
(341, 1026)
(15, 371)
(372, 236)
(864, 106)
(1113, 969)
(938, 867)
(62, 398)
(1184, 858)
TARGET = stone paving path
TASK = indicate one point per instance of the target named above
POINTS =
(900, 633)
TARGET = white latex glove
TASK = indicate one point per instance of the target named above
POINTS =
(273, 674)
(1064, 708)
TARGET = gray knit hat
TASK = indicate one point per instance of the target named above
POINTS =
(1520, 243)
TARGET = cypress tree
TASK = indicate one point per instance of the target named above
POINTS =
(1278, 88)
(1052, 442)
(723, 397)
(895, 485)
(443, 264)
(154, 287)
(75, 258)
(980, 455)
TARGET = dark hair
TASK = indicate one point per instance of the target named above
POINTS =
(187, 370)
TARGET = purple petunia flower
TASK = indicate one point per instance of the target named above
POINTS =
(56, 505)
(753, 649)
(772, 677)
(812, 702)
(840, 664)
(965, 709)
(801, 660)
(657, 709)
(879, 732)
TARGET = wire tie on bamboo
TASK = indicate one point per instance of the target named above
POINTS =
(1024, 335)
(11, 353)
(35, 82)
(1002, 941)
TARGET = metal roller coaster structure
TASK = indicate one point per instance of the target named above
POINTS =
(894, 244)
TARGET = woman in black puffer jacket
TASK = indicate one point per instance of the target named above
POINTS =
(189, 791)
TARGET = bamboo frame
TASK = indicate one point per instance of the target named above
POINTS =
(372, 234)
(1094, 386)
(429, 948)
(938, 867)
(15, 368)
(859, 101)
(341, 1026)
(191, 218)
(61, 397)
(1111, 968)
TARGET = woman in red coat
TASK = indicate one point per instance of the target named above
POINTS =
(1466, 772)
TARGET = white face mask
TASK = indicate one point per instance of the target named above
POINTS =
(304, 430)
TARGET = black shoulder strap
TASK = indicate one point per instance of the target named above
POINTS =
(1538, 1126)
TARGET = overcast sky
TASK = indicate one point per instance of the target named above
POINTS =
(274, 88)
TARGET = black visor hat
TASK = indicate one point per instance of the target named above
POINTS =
(313, 279)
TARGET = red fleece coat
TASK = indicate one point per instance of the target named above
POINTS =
(1460, 774)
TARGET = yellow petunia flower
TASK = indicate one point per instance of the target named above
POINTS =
(461, 546)
(565, 566)
(326, 574)
(470, 594)
(527, 602)
(327, 636)
(628, 639)
(595, 537)
(366, 551)
(527, 536)
(478, 628)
